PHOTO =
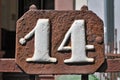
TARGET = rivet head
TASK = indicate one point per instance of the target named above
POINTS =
(84, 8)
(32, 7)
(99, 39)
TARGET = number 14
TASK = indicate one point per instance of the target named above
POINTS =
(41, 51)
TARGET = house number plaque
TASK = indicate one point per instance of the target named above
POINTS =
(59, 42)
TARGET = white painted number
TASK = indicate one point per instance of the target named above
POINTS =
(41, 52)
(78, 45)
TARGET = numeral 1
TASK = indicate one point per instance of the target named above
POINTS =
(41, 44)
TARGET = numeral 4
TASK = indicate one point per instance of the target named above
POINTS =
(78, 43)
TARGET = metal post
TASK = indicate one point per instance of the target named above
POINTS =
(84, 77)
(44, 77)
(42, 4)
(0, 26)
(115, 42)
(32, 77)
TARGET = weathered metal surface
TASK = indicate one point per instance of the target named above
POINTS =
(110, 65)
(112, 56)
(113, 65)
(60, 22)
(9, 65)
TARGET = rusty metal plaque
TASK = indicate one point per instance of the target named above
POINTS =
(42, 37)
